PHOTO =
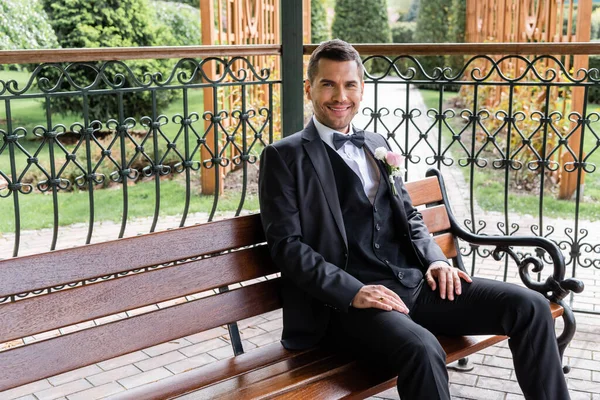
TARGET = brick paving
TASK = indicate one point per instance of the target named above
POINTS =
(492, 378)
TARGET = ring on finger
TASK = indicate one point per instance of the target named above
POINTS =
(381, 299)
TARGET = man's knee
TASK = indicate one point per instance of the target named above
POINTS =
(532, 309)
(423, 349)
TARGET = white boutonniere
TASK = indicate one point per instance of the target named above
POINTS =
(393, 164)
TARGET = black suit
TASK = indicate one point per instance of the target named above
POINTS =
(308, 240)
(304, 226)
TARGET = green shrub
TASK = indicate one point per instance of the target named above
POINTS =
(107, 23)
(456, 33)
(594, 91)
(181, 20)
(363, 21)
(432, 27)
(319, 30)
(24, 25)
(595, 34)
(403, 32)
(192, 3)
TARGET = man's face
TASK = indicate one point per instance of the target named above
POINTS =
(336, 93)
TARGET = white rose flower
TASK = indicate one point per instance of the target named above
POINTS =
(380, 153)
(397, 172)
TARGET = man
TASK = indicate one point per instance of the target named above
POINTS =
(359, 268)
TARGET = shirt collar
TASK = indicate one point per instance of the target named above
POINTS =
(326, 133)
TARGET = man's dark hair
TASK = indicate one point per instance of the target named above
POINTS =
(335, 50)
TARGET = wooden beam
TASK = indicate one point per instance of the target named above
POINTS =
(574, 48)
(136, 53)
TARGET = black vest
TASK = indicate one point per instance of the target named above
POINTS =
(377, 251)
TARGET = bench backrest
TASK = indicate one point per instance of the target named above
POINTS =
(68, 287)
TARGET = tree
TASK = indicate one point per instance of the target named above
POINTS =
(362, 21)
(24, 25)
(319, 31)
(456, 32)
(181, 20)
(191, 3)
(107, 23)
(413, 11)
(432, 27)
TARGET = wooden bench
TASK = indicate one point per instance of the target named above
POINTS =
(63, 288)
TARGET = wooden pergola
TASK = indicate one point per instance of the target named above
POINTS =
(510, 21)
(240, 22)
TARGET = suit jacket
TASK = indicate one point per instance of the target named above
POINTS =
(304, 227)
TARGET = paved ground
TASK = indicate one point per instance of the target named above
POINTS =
(492, 378)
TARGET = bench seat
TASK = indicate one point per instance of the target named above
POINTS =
(274, 372)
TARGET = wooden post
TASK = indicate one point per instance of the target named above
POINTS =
(306, 21)
(207, 176)
(568, 181)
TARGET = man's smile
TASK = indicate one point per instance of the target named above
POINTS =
(339, 109)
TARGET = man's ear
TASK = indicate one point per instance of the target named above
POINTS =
(307, 89)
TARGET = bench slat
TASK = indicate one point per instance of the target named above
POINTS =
(217, 372)
(424, 191)
(446, 243)
(436, 219)
(72, 306)
(64, 353)
(272, 380)
(28, 273)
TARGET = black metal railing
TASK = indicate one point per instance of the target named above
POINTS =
(117, 135)
(500, 128)
(504, 122)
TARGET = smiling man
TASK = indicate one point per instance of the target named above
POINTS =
(360, 271)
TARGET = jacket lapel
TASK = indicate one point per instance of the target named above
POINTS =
(371, 143)
(315, 149)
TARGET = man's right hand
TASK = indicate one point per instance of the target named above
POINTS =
(378, 296)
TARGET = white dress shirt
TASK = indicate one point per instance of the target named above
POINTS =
(356, 158)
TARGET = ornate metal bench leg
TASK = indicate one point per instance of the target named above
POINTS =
(567, 334)
(462, 365)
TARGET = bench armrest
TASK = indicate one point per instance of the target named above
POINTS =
(555, 288)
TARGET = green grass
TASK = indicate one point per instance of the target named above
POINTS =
(489, 183)
(37, 209)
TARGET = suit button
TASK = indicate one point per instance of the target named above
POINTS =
(386, 261)
(377, 245)
(345, 255)
(400, 275)
(405, 235)
(377, 227)
(375, 208)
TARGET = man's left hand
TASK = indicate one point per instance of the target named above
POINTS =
(448, 278)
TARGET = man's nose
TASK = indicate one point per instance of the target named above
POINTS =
(340, 95)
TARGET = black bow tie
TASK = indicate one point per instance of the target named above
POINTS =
(358, 139)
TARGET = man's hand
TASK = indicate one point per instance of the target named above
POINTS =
(378, 296)
(448, 278)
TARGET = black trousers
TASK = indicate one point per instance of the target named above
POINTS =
(407, 344)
